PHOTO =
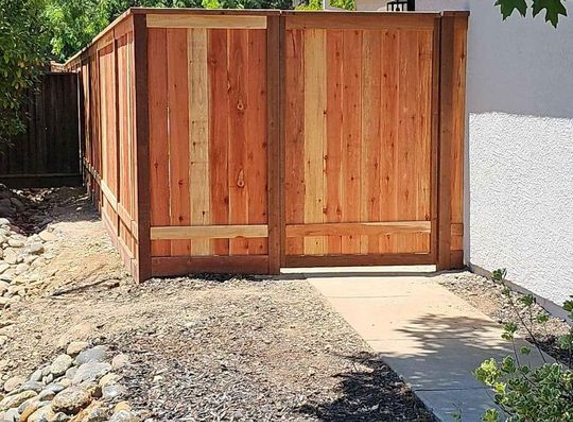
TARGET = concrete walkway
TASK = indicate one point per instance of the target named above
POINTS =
(432, 338)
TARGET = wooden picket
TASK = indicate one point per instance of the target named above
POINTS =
(245, 141)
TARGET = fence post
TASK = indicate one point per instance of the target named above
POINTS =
(453, 34)
(142, 139)
(274, 134)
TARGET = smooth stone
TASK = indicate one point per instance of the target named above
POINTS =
(95, 412)
(61, 364)
(32, 385)
(15, 243)
(16, 400)
(60, 417)
(66, 382)
(12, 415)
(55, 387)
(30, 408)
(76, 347)
(13, 383)
(71, 400)
(47, 236)
(119, 362)
(108, 379)
(124, 416)
(35, 248)
(43, 414)
(92, 388)
(95, 354)
(122, 405)
(10, 257)
(91, 371)
(71, 372)
(46, 395)
(36, 376)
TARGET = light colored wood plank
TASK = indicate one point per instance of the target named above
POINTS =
(294, 182)
(206, 22)
(315, 135)
(209, 232)
(200, 184)
(364, 229)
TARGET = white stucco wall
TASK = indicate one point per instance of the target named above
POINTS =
(520, 157)
(519, 205)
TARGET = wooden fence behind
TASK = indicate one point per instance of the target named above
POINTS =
(48, 152)
(244, 141)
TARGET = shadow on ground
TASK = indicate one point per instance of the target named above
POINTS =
(372, 392)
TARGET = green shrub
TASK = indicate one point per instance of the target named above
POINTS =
(22, 52)
(525, 393)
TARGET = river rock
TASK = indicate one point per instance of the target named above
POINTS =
(16, 400)
(76, 347)
(43, 414)
(35, 248)
(119, 362)
(71, 400)
(61, 365)
(13, 383)
(33, 386)
(91, 371)
(95, 354)
(47, 236)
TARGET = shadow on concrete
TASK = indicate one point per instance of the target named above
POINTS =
(436, 356)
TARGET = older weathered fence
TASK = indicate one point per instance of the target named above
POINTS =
(248, 141)
(48, 152)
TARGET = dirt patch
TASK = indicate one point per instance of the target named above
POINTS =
(201, 350)
(487, 296)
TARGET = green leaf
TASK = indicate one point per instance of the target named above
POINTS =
(508, 6)
(553, 9)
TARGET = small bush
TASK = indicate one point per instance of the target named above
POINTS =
(525, 393)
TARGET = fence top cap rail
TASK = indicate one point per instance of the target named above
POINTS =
(252, 12)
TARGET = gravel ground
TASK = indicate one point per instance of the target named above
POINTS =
(488, 297)
(200, 349)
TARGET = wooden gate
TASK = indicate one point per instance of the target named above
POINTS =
(246, 141)
(361, 142)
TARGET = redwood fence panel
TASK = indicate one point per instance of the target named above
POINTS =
(48, 152)
(245, 141)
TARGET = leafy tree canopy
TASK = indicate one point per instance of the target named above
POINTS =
(552, 8)
(23, 48)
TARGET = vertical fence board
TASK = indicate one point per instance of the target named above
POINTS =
(218, 134)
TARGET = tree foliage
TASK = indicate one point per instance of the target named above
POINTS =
(553, 8)
(22, 50)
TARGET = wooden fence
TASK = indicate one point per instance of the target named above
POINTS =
(244, 141)
(48, 152)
